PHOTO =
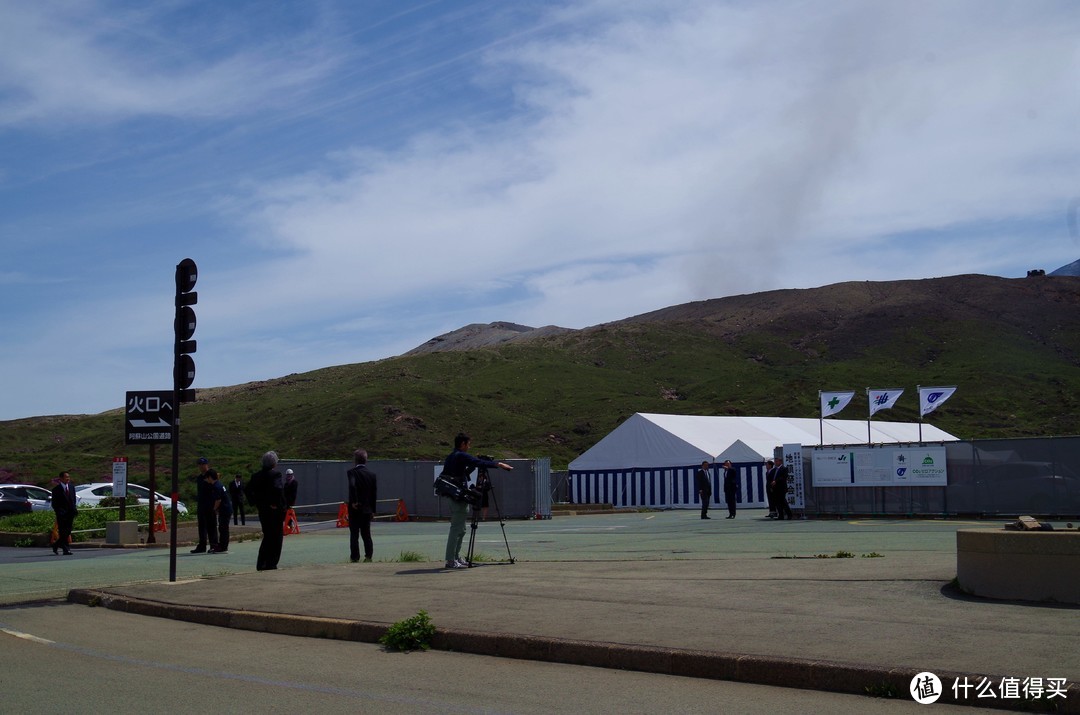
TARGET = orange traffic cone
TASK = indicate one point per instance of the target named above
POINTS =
(343, 515)
(402, 514)
(291, 525)
(159, 519)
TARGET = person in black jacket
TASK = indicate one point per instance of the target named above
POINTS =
(780, 484)
(265, 490)
(204, 502)
(457, 467)
(362, 496)
(221, 511)
(731, 488)
(704, 488)
(291, 487)
(236, 498)
(63, 503)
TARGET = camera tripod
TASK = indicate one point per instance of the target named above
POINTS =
(482, 472)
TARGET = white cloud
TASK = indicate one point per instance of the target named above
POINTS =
(94, 61)
(726, 138)
(630, 156)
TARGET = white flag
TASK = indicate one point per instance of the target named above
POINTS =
(883, 399)
(931, 397)
(833, 402)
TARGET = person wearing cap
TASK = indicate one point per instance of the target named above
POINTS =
(291, 486)
(205, 508)
(221, 510)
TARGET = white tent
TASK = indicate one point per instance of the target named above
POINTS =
(650, 459)
(652, 440)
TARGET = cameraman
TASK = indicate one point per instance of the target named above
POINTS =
(457, 467)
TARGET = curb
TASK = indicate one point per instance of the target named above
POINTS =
(754, 669)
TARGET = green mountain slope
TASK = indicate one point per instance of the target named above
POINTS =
(1012, 347)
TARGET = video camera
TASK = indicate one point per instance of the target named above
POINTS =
(445, 487)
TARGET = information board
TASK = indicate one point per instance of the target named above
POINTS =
(883, 466)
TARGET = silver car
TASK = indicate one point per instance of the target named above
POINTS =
(40, 498)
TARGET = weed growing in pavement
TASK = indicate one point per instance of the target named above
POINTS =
(882, 690)
(873, 555)
(411, 557)
(413, 633)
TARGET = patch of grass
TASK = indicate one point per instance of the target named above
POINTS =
(873, 555)
(413, 633)
(837, 555)
(882, 690)
(411, 557)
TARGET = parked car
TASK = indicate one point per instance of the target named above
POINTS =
(10, 504)
(91, 494)
(40, 497)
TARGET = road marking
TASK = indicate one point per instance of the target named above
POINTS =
(27, 636)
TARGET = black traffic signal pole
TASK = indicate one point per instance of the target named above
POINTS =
(183, 375)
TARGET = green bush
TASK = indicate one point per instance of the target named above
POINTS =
(414, 633)
(41, 522)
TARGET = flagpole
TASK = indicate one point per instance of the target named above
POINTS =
(869, 413)
(918, 390)
(821, 421)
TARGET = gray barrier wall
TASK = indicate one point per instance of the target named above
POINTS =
(521, 494)
(1008, 477)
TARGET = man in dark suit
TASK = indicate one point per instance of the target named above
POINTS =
(63, 503)
(731, 488)
(704, 488)
(236, 496)
(770, 472)
(265, 490)
(362, 496)
(780, 483)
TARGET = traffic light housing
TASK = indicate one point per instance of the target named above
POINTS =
(187, 274)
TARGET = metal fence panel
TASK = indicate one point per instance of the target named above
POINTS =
(323, 487)
(1003, 477)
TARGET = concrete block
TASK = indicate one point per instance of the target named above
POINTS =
(1019, 565)
(121, 532)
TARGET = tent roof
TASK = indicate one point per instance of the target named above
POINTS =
(654, 440)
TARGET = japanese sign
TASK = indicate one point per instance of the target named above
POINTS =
(865, 467)
(148, 417)
(119, 476)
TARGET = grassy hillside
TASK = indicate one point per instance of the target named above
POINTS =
(1012, 347)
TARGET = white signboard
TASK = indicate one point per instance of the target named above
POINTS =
(865, 467)
(119, 477)
(793, 461)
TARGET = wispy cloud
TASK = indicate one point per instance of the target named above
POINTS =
(355, 178)
(61, 62)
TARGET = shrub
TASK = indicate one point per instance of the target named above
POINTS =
(413, 633)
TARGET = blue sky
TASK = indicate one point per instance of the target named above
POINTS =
(355, 177)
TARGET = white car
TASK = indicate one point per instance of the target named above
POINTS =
(91, 494)
(40, 498)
